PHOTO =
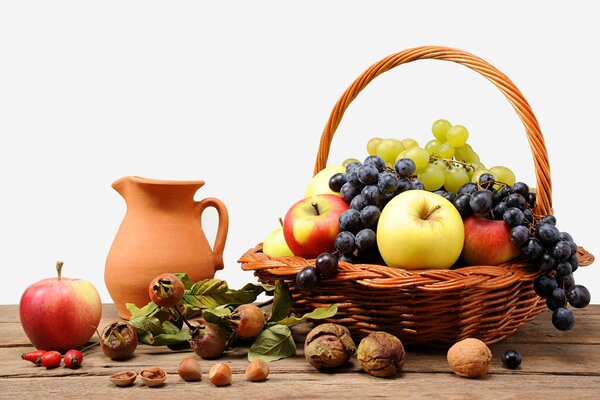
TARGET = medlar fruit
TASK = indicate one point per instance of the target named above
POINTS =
(328, 346)
(381, 354)
(209, 341)
(166, 290)
(118, 340)
(248, 320)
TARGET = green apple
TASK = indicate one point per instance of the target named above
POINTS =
(320, 182)
(418, 230)
(275, 245)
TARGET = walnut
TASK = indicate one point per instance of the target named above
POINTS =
(381, 354)
(470, 358)
(328, 346)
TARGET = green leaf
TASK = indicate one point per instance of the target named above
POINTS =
(148, 310)
(214, 315)
(208, 286)
(165, 339)
(282, 302)
(212, 293)
(147, 324)
(187, 281)
(169, 327)
(317, 313)
(274, 343)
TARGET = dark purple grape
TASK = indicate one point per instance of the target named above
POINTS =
(462, 204)
(481, 201)
(405, 167)
(515, 200)
(513, 216)
(327, 265)
(573, 247)
(337, 181)
(307, 278)
(561, 250)
(544, 285)
(349, 258)
(349, 191)
(574, 261)
(352, 177)
(579, 296)
(531, 199)
(353, 166)
(375, 161)
(416, 185)
(468, 188)
(564, 268)
(370, 215)
(566, 236)
(547, 234)
(359, 202)
(511, 359)
(559, 295)
(532, 249)
(566, 282)
(519, 234)
(350, 221)
(486, 180)
(372, 195)
(387, 183)
(366, 239)
(520, 188)
(548, 219)
(344, 242)
(499, 210)
(546, 261)
(552, 303)
(504, 192)
(528, 214)
(563, 319)
(368, 174)
(404, 184)
(447, 195)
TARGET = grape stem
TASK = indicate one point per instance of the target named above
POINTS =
(448, 161)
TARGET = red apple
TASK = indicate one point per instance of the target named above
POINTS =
(487, 242)
(60, 313)
(311, 225)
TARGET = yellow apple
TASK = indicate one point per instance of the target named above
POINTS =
(418, 230)
(274, 244)
(320, 182)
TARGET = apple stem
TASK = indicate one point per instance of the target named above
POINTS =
(280, 221)
(316, 206)
(432, 211)
(59, 265)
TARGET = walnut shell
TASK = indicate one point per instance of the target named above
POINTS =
(381, 354)
(470, 358)
(328, 346)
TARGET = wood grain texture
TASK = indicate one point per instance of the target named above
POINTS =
(560, 363)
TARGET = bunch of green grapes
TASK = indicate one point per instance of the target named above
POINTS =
(445, 163)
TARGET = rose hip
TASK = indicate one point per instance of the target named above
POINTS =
(73, 359)
(34, 356)
(51, 359)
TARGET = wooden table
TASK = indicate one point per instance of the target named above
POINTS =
(560, 365)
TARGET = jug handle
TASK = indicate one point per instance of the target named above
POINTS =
(222, 229)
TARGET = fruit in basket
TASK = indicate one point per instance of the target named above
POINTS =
(381, 354)
(307, 278)
(419, 229)
(470, 358)
(275, 245)
(320, 182)
(311, 224)
(487, 242)
(60, 313)
(328, 346)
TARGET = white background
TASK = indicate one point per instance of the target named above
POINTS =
(237, 93)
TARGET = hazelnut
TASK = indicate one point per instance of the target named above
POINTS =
(470, 358)
(257, 371)
(153, 376)
(381, 354)
(123, 378)
(189, 369)
(220, 374)
(328, 346)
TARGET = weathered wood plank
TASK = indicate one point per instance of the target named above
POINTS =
(303, 386)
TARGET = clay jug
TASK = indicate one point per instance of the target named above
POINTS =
(161, 232)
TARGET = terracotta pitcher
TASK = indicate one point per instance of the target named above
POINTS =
(161, 232)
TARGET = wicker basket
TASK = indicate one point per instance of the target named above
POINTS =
(430, 307)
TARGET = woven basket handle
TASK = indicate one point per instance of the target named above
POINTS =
(512, 93)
